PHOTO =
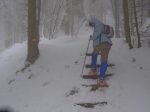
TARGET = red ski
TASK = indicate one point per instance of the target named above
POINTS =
(94, 87)
(94, 76)
(90, 66)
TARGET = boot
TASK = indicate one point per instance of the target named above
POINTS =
(102, 70)
(93, 72)
(102, 83)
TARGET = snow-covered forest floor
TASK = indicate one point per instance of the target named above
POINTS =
(54, 83)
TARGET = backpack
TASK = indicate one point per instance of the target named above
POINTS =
(109, 31)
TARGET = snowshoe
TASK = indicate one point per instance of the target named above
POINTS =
(102, 83)
(93, 72)
(95, 76)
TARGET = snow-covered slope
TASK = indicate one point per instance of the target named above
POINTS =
(54, 84)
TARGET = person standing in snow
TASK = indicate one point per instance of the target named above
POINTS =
(101, 43)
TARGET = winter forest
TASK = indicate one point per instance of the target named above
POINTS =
(67, 16)
(43, 48)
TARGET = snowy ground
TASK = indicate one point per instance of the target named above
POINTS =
(53, 83)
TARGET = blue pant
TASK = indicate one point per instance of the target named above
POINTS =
(103, 66)
(94, 60)
(102, 69)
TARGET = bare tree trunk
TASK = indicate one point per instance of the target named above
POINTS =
(136, 24)
(69, 18)
(126, 23)
(57, 17)
(33, 39)
(131, 18)
(52, 19)
(149, 9)
(142, 12)
(116, 6)
(38, 17)
(72, 19)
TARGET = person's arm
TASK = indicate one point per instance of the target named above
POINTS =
(98, 26)
(96, 33)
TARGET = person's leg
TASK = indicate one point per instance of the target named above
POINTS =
(102, 70)
(105, 48)
(94, 60)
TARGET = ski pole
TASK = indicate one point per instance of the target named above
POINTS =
(85, 57)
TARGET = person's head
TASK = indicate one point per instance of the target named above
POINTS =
(89, 20)
(91, 24)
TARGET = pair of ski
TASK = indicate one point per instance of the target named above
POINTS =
(96, 76)
(94, 87)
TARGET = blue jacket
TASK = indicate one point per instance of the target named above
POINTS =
(98, 35)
